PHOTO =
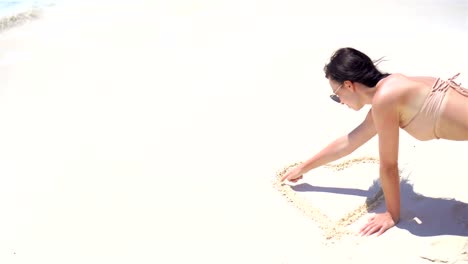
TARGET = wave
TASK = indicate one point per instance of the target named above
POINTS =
(16, 13)
(7, 22)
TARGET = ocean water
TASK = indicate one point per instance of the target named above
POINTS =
(12, 7)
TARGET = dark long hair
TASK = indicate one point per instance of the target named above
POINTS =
(352, 65)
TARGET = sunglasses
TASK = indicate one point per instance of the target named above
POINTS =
(334, 96)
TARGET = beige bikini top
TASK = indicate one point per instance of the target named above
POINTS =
(423, 125)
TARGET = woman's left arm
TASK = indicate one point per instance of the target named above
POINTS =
(386, 120)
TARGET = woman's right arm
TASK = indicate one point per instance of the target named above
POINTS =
(337, 149)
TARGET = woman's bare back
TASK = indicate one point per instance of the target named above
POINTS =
(434, 108)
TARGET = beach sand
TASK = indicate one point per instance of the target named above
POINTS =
(154, 133)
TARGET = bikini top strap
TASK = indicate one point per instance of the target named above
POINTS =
(457, 86)
(451, 80)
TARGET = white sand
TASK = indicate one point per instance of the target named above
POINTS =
(151, 133)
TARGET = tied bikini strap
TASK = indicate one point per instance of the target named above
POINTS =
(457, 87)
(433, 103)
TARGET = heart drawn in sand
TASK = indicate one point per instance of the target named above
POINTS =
(336, 195)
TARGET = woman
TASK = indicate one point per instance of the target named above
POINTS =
(426, 107)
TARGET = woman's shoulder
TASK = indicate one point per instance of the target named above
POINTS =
(392, 87)
(394, 79)
(399, 84)
(401, 80)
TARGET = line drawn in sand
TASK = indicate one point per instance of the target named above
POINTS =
(332, 229)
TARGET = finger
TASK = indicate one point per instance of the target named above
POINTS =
(362, 229)
(370, 222)
(295, 180)
(381, 231)
(369, 229)
(365, 229)
(284, 177)
(372, 230)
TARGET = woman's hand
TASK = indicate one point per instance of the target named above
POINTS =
(378, 223)
(293, 175)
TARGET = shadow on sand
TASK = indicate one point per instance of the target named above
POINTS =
(435, 216)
